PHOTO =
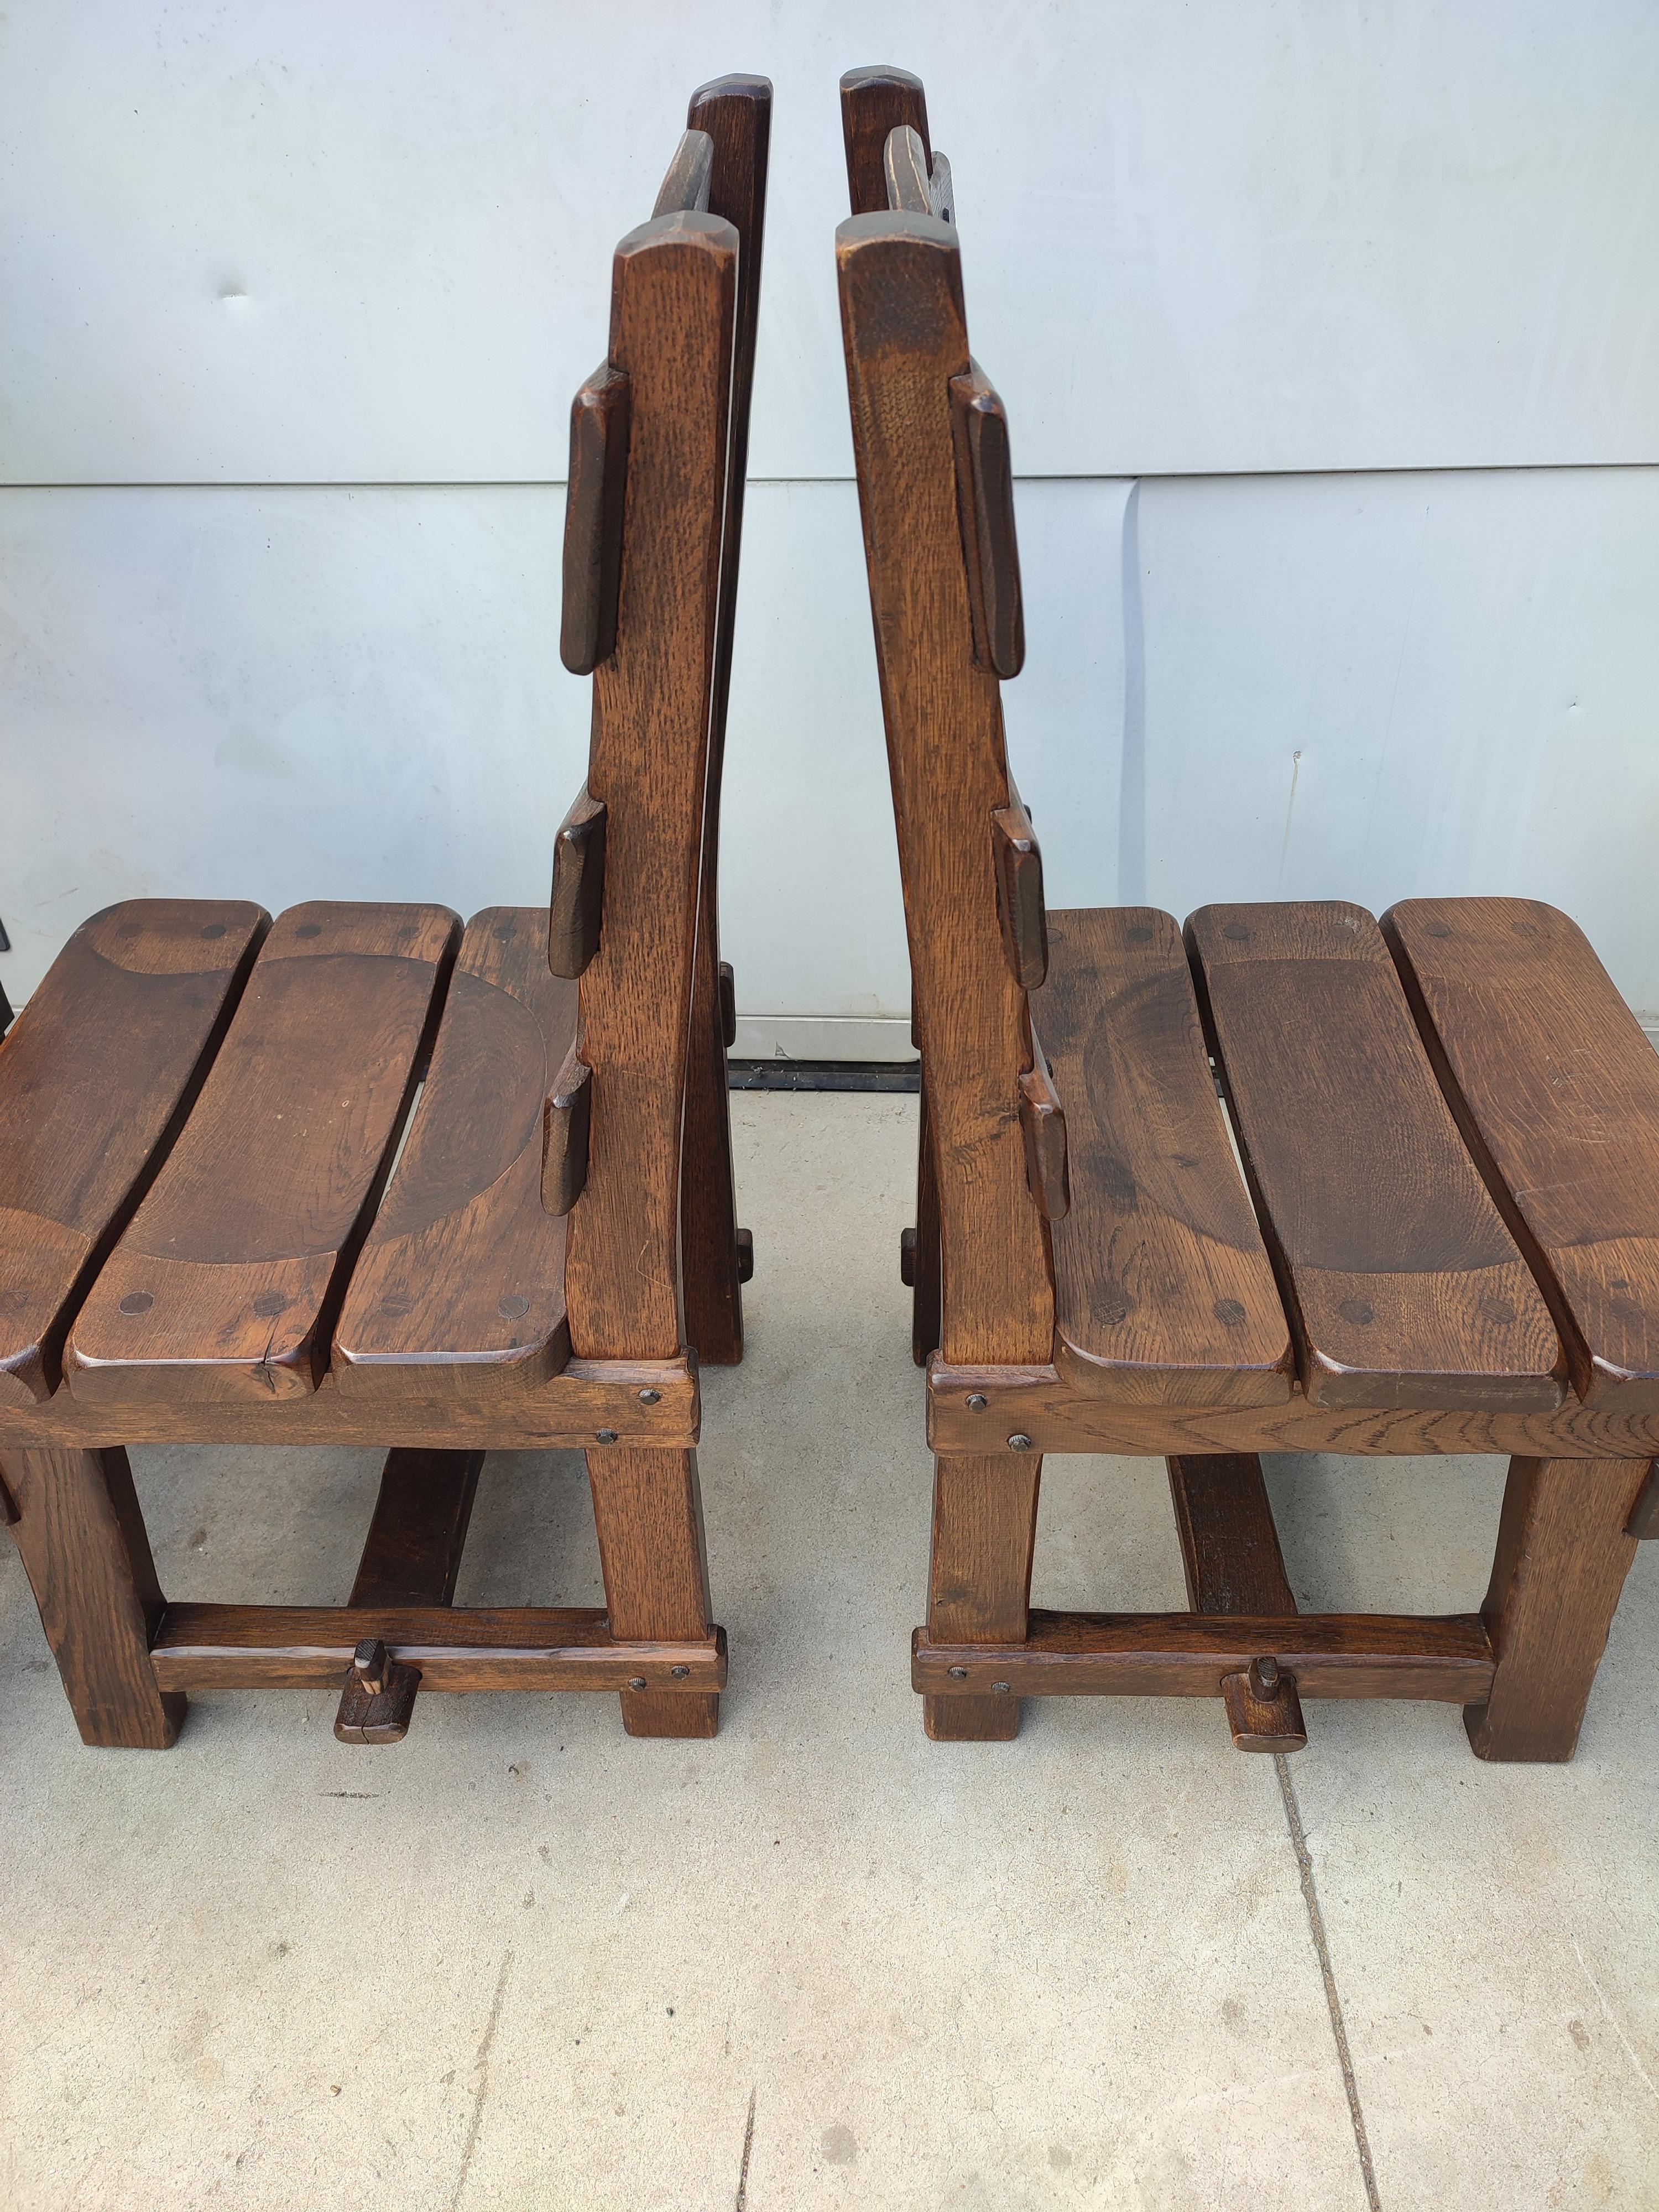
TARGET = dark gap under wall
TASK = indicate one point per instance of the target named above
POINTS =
(825, 1074)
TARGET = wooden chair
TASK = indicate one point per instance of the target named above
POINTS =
(208, 1235)
(1448, 1125)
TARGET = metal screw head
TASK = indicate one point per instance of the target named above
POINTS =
(958, 1674)
(604, 1436)
(1019, 1442)
(651, 1397)
(978, 1402)
(999, 1689)
(679, 1672)
(637, 1682)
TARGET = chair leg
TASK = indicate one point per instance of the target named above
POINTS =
(649, 1515)
(927, 1288)
(980, 1587)
(1563, 1553)
(712, 1268)
(88, 1558)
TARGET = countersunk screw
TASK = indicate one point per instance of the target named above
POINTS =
(604, 1436)
(1000, 1689)
(958, 1674)
(1019, 1442)
(978, 1402)
(637, 1683)
(679, 1672)
(651, 1397)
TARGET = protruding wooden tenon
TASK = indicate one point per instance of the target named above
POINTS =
(377, 1699)
(1263, 1710)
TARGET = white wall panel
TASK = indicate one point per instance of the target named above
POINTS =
(316, 242)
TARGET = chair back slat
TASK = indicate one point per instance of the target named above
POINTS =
(874, 103)
(684, 189)
(916, 402)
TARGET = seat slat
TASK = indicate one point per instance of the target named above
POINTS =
(1163, 1292)
(224, 1284)
(1406, 1288)
(460, 1284)
(94, 1078)
(1557, 1091)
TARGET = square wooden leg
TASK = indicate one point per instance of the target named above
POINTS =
(1563, 1553)
(980, 1587)
(648, 1511)
(88, 1556)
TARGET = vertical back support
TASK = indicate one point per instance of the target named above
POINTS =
(672, 299)
(906, 338)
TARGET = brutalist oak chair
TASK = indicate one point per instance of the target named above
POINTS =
(1449, 1125)
(203, 1235)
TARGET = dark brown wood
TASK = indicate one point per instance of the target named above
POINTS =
(1019, 895)
(1563, 1550)
(1229, 1544)
(1556, 1091)
(905, 166)
(648, 1511)
(80, 1536)
(737, 113)
(875, 102)
(576, 915)
(980, 1584)
(1644, 1523)
(1263, 1710)
(566, 1134)
(1185, 1655)
(1165, 1294)
(1403, 1286)
(225, 1282)
(96, 1080)
(925, 1284)
(1041, 1403)
(906, 338)
(1043, 1119)
(460, 1283)
(377, 1699)
(454, 1648)
(684, 188)
(672, 332)
(595, 497)
(412, 1553)
(985, 497)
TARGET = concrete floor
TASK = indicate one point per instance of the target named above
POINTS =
(521, 1961)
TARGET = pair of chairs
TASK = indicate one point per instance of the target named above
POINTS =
(1445, 1238)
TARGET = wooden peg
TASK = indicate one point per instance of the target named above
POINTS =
(1263, 1710)
(564, 1134)
(686, 181)
(1043, 1121)
(728, 1004)
(378, 1698)
(576, 913)
(904, 164)
(594, 502)
(941, 191)
(1020, 907)
(985, 506)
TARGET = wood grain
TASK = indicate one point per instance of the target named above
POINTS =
(576, 915)
(905, 166)
(985, 498)
(566, 1134)
(1020, 904)
(1403, 1284)
(461, 1282)
(225, 1284)
(875, 102)
(1556, 1090)
(1165, 1294)
(684, 187)
(1185, 1655)
(648, 1511)
(905, 338)
(1563, 1550)
(595, 493)
(980, 1583)
(1229, 1543)
(95, 1081)
(412, 1554)
(672, 333)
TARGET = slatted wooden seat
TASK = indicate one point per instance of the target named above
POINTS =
(1422, 1215)
(359, 1176)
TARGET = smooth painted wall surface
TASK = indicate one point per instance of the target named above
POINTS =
(291, 302)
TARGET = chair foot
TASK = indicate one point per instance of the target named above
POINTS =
(971, 1720)
(668, 1712)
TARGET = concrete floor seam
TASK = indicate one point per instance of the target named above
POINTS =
(1333, 1999)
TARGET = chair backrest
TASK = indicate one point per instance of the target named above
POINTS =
(935, 490)
(658, 439)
